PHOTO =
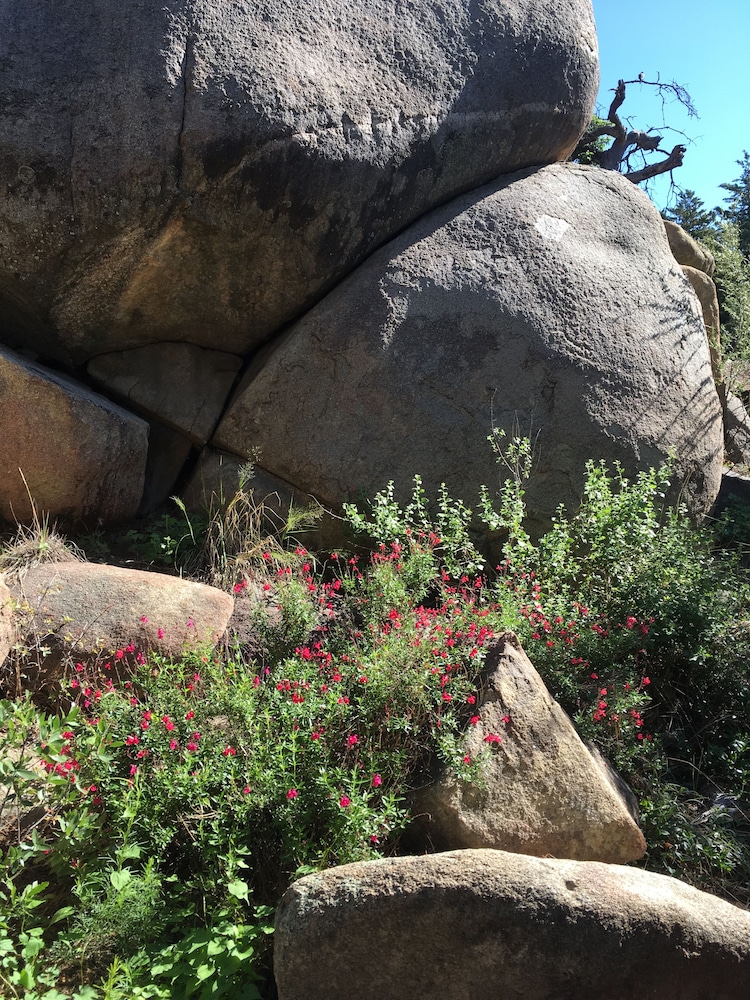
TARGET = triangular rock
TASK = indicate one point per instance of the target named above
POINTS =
(543, 792)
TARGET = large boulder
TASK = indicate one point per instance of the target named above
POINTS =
(482, 923)
(542, 792)
(202, 171)
(547, 302)
(68, 450)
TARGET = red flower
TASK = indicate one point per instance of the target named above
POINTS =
(376, 781)
(229, 752)
(345, 801)
(292, 793)
(493, 738)
(352, 740)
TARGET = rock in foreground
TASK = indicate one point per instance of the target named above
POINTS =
(542, 793)
(484, 923)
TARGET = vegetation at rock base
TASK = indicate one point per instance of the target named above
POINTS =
(151, 821)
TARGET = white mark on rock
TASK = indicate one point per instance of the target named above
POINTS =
(551, 228)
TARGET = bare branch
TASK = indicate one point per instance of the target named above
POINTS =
(664, 166)
(672, 87)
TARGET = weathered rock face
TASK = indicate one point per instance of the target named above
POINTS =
(201, 171)
(547, 302)
(471, 924)
(543, 792)
(88, 611)
(82, 456)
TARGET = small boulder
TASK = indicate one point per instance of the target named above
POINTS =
(688, 251)
(485, 923)
(542, 791)
(180, 385)
(70, 451)
(87, 612)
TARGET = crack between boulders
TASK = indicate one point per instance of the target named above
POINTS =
(71, 192)
(179, 157)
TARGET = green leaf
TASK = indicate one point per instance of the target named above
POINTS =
(238, 888)
(120, 878)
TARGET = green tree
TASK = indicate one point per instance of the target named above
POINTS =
(732, 277)
(691, 213)
(738, 203)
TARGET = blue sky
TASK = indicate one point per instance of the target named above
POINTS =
(705, 47)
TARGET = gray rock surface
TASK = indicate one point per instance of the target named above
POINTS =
(542, 792)
(181, 385)
(471, 924)
(82, 456)
(202, 170)
(547, 302)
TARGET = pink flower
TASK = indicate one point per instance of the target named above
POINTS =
(229, 752)
(345, 801)
(160, 633)
(352, 740)
(292, 793)
(474, 720)
(173, 744)
(144, 619)
(189, 715)
(493, 738)
(246, 790)
(376, 781)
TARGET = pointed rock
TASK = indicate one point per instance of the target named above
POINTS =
(542, 791)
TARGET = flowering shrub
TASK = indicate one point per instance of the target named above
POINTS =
(157, 816)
